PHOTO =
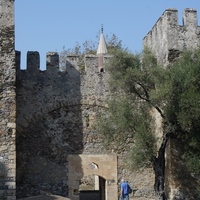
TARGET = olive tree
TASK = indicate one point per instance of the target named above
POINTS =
(139, 86)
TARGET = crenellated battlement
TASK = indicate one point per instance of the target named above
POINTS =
(33, 62)
(169, 19)
(80, 74)
(190, 17)
(167, 38)
(80, 63)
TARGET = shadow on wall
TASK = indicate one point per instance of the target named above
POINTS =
(46, 197)
(187, 185)
(3, 175)
(49, 127)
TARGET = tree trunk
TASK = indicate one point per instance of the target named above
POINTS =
(159, 170)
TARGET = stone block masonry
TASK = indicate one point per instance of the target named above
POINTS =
(7, 102)
(53, 113)
(167, 39)
(80, 165)
(56, 111)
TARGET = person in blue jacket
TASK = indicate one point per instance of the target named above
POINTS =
(124, 190)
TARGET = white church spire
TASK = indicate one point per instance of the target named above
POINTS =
(102, 48)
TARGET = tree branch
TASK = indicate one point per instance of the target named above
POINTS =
(147, 98)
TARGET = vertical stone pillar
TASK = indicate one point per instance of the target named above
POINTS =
(33, 62)
(52, 62)
(190, 17)
(7, 102)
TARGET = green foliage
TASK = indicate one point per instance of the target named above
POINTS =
(117, 122)
(121, 66)
(125, 120)
(193, 162)
(144, 148)
(180, 91)
(113, 43)
(129, 110)
(142, 86)
(135, 77)
(185, 79)
(138, 85)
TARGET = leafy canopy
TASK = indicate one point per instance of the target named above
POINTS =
(129, 113)
(183, 108)
(140, 85)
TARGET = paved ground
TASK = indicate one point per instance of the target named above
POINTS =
(46, 197)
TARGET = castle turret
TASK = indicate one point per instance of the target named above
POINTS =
(167, 39)
(101, 51)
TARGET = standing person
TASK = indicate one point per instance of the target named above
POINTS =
(124, 190)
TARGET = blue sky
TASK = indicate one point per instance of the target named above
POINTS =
(48, 25)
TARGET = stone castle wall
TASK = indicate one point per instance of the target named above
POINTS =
(167, 39)
(55, 116)
(7, 102)
(53, 111)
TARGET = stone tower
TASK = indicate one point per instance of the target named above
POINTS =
(167, 38)
(8, 101)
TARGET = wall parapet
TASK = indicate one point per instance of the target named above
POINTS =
(170, 15)
(33, 61)
(190, 17)
(167, 12)
(72, 64)
(168, 36)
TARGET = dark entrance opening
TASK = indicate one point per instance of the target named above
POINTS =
(102, 187)
(101, 70)
(96, 193)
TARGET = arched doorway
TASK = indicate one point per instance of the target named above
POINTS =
(98, 172)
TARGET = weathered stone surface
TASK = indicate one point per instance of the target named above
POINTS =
(167, 39)
(53, 113)
(8, 101)
(104, 166)
(62, 108)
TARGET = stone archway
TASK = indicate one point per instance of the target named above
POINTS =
(84, 165)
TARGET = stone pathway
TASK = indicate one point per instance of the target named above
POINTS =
(46, 197)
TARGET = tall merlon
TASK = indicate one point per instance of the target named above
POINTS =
(18, 64)
(190, 17)
(52, 61)
(171, 17)
(167, 39)
(33, 61)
